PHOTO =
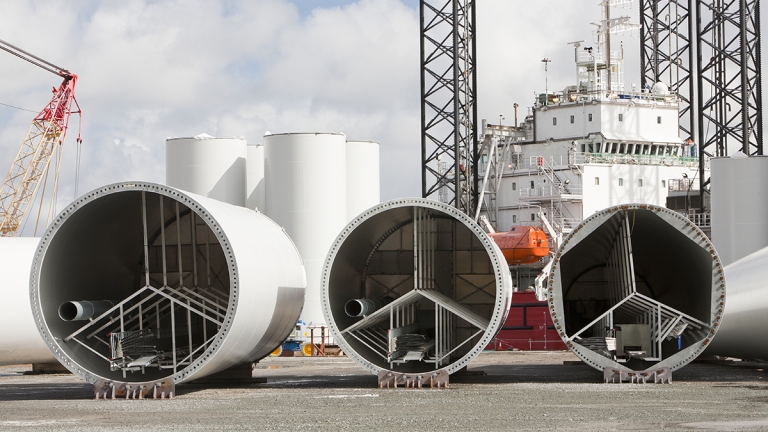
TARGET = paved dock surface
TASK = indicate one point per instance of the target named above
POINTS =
(520, 391)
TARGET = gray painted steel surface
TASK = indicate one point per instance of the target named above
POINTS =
(644, 267)
(204, 285)
(444, 284)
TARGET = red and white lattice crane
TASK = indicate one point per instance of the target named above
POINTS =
(44, 139)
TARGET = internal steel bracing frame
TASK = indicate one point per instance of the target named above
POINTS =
(174, 317)
(729, 88)
(666, 54)
(449, 102)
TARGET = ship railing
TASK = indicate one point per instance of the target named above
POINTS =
(558, 163)
(634, 159)
(596, 56)
(701, 220)
(550, 191)
(683, 184)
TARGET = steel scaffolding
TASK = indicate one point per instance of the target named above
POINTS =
(666, 53)
(729, 88)
(723, 112)
(449, 102)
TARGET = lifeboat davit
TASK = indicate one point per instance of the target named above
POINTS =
(522, 244)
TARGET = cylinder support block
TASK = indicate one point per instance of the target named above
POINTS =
(187, 286)
(443, 285)
(636, 287)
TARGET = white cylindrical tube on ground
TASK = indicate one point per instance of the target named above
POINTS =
(20, 342)
(363, 179)
(636, 287)
(443, 285)
(306, 194)
(198, 285)
(208, 166)
(255, 184)
(744, 331)
(739, 206)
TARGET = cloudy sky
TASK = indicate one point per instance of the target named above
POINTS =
(151, 69)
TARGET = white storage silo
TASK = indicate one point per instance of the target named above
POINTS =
(255, 185)
(207, 166)
(739, 206)
(363, 185)
(306, 182)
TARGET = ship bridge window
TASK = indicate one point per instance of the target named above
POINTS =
(583, 148)
(622, 148)
(640, 182)
(532, 185)
(613, 148)
(533, 217)
(658, 119)
(597, 181)
(573, 119)
(621, 117)
(645, 149)
(638, 148)
(514, 218)
(653, 149)
(589, 116)
(621, 182)
(514, 186)
(591, 148)
(554, 121)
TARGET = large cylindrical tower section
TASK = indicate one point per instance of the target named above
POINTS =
(208, 166)
(20, 342)
(745, 330)
(739, 206)
(413, 286)
(637, 287)
(306, 194)
(363, 177)
(197, 285)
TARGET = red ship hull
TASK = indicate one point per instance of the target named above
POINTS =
(528, 327)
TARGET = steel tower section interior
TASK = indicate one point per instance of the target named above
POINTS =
(449, 102)
(730, 93)
(666, 53)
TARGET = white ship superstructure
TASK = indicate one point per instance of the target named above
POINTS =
(592, 145)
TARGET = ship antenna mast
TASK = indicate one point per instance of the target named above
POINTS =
(546, 62)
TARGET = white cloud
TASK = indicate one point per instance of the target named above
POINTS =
(153, 69)
(150, 69)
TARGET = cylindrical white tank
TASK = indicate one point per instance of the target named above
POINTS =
(413, 290)
(739, 206)
(208, 166)
(20, 342)
(363, 180)
(306, 194)
(255, 183)
(197, 286)
(744, 332)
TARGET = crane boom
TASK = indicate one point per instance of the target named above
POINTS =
(48, 130)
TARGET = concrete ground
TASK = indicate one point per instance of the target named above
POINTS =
(521, 391)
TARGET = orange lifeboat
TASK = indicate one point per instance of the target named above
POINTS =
(522, 244)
